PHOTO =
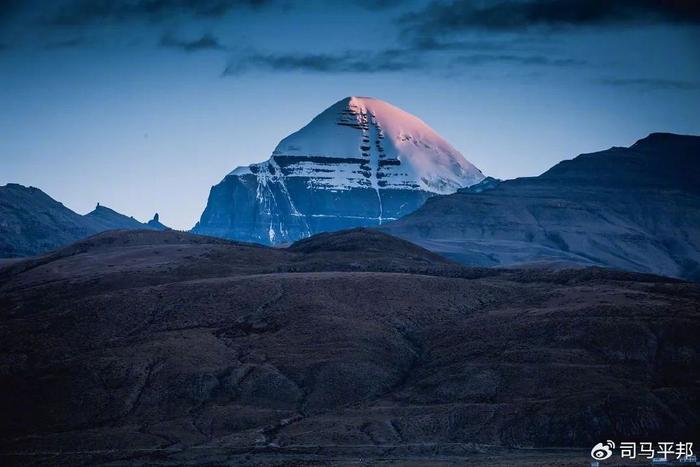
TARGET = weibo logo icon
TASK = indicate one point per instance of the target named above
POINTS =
(602, 451)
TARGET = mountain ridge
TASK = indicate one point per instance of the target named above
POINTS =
(635, 208)
(31, 222)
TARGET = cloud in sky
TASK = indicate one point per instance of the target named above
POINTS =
(441, 17)
(73, 42)
(8, 7)
(387, 61)
(652, 84)
(82, 12)
(425, 35)
(534, 60)
(378, 4)
(433, 44)
(205, 42)
(345, 62)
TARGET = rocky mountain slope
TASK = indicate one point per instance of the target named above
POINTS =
(167, 348)
(105, 218)
(635, 208)
(361, 162)
(32, 222)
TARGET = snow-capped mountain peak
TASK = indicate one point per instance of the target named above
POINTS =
(400, 148)
(360, 162)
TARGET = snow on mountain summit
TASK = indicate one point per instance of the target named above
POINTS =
(360, 162)
(403, 151)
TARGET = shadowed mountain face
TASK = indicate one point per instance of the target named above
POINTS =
(635, 208)
(149, 346)
(31, 222)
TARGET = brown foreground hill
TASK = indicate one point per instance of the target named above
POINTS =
(169, 348)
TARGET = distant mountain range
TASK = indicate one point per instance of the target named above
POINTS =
(361, 162)
(635, 208)
(31, 222)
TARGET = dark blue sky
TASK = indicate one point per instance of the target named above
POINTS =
(142, 105)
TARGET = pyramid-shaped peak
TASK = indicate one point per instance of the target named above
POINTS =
(360, 162)
(370, 128)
